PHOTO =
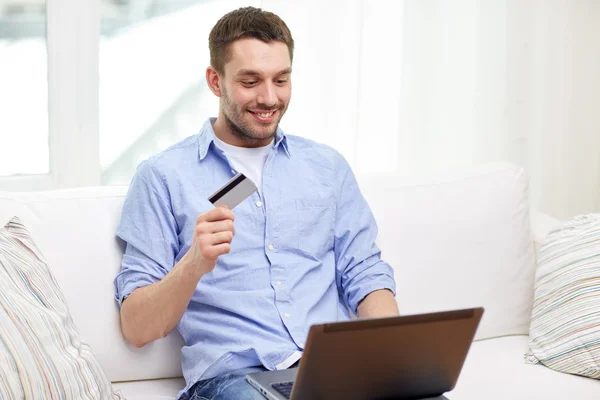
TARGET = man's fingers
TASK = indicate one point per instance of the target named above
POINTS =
(213, 252)
(220, 226)
(217, 214)
(218, 238)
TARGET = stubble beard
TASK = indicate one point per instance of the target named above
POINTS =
(234, 118)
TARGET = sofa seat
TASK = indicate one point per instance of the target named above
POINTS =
(495, 370)
(472, 230)
(153, 389)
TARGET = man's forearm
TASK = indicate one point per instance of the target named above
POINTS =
(151, 312)
(378, 304)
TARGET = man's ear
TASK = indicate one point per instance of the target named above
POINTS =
(214, 81)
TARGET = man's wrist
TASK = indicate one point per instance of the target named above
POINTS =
(189, 270)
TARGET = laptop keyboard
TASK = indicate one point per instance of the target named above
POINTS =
(285, 388)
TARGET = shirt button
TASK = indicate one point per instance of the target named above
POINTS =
(271, 247)
(259, 204)
(287, 315)
(278, 283)
(233, 171)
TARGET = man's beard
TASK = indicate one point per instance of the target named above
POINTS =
(237, 126)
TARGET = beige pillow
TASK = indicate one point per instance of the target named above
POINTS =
(565, 323)
(41, 353)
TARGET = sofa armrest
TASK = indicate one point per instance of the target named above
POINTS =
(541, 225)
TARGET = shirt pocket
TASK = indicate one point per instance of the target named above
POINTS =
(316, 223)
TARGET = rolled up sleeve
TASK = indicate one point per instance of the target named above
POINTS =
(359, 267)
(149, 231)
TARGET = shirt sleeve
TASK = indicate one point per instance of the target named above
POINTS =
(149, 231)
(359, 267)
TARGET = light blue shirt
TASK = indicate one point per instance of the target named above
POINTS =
(303, 253)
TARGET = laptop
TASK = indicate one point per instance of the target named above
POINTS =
(407, 357)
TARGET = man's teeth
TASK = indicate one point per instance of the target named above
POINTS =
(265, 115)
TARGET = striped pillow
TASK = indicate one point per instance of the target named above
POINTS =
(41, 353)
(565, 323)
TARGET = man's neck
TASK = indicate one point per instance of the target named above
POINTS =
(223, 132)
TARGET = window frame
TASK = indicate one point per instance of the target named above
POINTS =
(72, 40)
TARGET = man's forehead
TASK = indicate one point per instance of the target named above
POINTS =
(255, 57)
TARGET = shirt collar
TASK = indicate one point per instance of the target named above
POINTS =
(207, 136)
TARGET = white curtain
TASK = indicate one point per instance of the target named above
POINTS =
(408, 87)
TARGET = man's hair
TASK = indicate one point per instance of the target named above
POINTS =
(246, 22)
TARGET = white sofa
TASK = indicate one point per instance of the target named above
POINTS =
(456, 239)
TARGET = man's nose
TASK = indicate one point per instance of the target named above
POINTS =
(267, 95)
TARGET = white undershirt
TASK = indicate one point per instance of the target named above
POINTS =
(248, 161)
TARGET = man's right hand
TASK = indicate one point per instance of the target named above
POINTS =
(152, 311)
(212, 237)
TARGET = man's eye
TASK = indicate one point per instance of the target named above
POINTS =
(249, 83)
(281, 81)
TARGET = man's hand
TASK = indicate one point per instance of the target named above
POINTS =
(152, 311)
(212, 237)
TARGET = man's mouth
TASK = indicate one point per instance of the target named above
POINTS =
(264, 116)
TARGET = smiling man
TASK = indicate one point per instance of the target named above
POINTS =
(243, 288)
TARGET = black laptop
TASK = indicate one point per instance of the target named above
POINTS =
(400, 358)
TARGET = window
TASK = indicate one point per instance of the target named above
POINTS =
(124, 79)
(153, 58)
(24, 88)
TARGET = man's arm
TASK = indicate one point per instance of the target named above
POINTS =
(361, 273)
(152, 311)
(378, 304)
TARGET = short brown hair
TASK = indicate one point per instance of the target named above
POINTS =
(246, 22)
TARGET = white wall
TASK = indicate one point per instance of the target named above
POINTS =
(399, 87)
(408, 87)
(515, 80)
(558, 114)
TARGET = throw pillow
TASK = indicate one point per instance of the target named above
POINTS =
(41, 353)
(565, 322)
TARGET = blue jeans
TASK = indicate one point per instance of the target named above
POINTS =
(232, 386)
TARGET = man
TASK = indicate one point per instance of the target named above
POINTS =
(301, 251)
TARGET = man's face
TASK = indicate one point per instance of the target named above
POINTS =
(256, 89)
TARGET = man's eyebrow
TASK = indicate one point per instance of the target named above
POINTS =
(249, 72)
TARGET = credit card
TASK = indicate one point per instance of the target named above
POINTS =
(232, 193)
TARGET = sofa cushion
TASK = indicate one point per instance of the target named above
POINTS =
(565, 322)
(75, 229)
(495, 370)
(444, 234)
(457, 239)
(42, 354)
(155, 389)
